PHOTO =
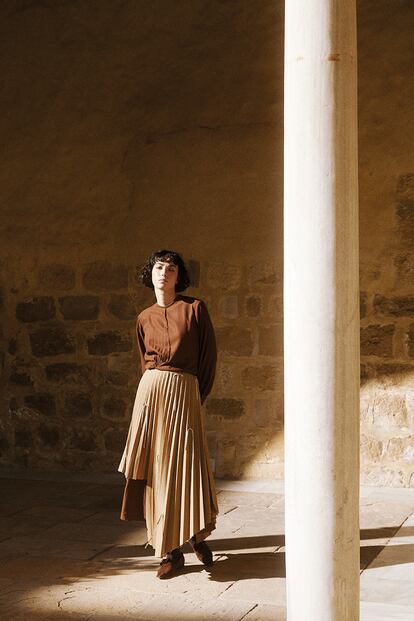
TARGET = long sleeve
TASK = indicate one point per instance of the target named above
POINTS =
(141, 344)
(207, 351)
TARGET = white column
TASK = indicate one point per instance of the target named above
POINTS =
(321, 311)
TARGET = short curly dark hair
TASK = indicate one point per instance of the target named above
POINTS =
(145, 272)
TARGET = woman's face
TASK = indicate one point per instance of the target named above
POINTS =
(164, 276)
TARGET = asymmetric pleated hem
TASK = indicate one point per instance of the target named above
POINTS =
(166, 462)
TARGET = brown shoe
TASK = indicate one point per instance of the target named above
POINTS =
(172, 561)
(203, 553)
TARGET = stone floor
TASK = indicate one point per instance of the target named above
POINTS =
(66, 555)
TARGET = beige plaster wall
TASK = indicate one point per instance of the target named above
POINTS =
(132, 125)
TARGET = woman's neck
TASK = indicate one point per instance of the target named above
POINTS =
(165, 298)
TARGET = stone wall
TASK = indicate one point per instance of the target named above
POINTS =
(386, 176)
(129, 126)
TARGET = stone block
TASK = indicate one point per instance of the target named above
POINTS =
(394, 374)
(404, 264)
(254, 305)
(401, 449)
(225, 458)
(388, 410)
(20, 377)
(57, 277)
(36, 309)
(234, 340)
(265, 377)
(405, 216)
(263, 414)
(399, 306)
(78, 405)
(49, 435)
(229, 307)
(271, 340)
(83, 440)
(106, 276)
(225, 408)
(263, 273)
(79, 307)
(410, 341)
(371, 449)
(121, 306)
(226, 378)
(377, 340)
(69, 373)
(382, 477)
(212, 444)
(109, 342)
(193, 268)
(224, 276)
(114, 407)
(13, 405)
(115, 441)
(23, 438)
(362, 304)
(409, 402)
(116, 378)
(405, 185)
(42, 403)
(275, 308)
(364, 372)
(4, 445)
(52, 341)
(12, 348)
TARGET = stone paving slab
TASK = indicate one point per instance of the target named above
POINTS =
(20, 601)
(28, 546)
(39, 570)
(260, 499)
(391, 494)
(378, 513)
(263, 612)
(130, 555)
(109, 534)
(53, 515)
(258, 577)
(110, 517)
(239, 543)
(26, 525)
(387, 591)
(372, 611)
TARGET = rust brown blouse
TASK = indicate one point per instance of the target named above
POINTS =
(179, 337)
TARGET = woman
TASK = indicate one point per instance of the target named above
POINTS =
(166, 461)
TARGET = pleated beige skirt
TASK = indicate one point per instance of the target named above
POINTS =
(167, 447)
